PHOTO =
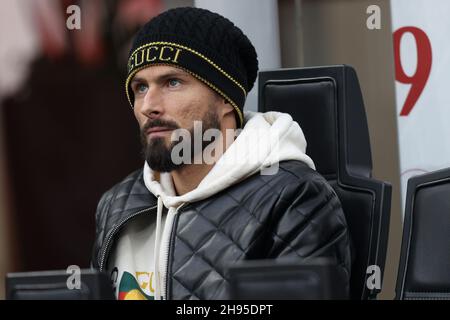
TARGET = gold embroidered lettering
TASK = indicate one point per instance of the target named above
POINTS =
(149, 59)
(136, 63)
(162, 52)
(176, 55)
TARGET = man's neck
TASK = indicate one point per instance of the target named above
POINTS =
(189, 177)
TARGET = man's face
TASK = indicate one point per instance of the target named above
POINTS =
(167, 98)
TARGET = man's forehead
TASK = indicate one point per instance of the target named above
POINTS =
(155, 72)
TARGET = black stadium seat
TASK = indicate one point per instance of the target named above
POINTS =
(424, 271)
(327, 103)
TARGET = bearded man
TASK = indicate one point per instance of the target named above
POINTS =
(171, 229)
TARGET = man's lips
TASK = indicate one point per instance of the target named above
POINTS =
(158, 131)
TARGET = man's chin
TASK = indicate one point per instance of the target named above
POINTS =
(163, 167)
(158, 141)
(158, 156)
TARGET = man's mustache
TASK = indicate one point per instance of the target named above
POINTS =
(159, 123)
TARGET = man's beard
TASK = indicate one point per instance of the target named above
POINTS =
(159, 156)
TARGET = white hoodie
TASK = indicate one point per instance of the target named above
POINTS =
(266, 139)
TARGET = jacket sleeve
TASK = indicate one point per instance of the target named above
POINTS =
(100, 215)
(309, 222)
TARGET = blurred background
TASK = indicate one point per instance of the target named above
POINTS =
(67, 133)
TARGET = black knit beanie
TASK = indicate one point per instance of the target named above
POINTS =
(205, 44)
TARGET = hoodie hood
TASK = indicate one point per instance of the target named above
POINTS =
(266, 139)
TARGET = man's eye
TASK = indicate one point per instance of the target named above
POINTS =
(174, 82)
(141, 88)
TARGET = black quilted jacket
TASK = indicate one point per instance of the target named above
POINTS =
(293, 214)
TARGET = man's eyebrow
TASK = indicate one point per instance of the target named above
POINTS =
(162, 77)
(172, 74)
(137, 80)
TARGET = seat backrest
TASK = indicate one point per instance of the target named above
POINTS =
(424, 270)
(327, 103)
(80, 284)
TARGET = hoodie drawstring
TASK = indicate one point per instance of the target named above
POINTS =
(157, 249)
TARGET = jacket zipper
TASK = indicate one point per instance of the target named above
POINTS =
(113, 233)
(166, 291)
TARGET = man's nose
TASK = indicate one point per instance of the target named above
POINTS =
(152, 106)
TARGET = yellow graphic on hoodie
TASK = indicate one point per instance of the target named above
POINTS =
(129, 289)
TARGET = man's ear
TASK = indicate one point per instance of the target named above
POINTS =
(226, 107)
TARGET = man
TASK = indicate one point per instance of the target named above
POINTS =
(172, 229)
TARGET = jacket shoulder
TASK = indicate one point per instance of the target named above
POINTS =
(290, 179)
(299, 170)
(296, 173)
(127, 195)
(129, 181)
(297, 176)
(125, 186)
